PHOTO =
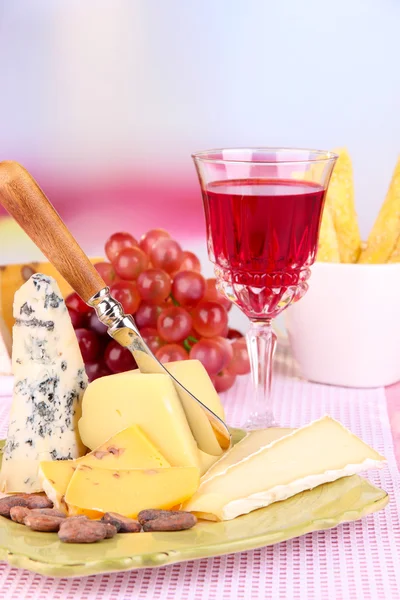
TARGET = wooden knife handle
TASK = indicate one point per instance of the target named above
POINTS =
(24, 200)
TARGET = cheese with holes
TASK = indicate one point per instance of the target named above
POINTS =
(115, 402)
(49, 382)
(127, 492)
(318, 453)
(128, 449)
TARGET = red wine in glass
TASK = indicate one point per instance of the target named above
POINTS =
(263, 210)
(263, 235)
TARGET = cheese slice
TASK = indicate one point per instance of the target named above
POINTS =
(55, 476)
(49, 382)
(318, 453)
(128, 449)
(195, 378)
(127, 492)
(115, 402)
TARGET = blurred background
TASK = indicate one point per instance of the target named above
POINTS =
(104, 101)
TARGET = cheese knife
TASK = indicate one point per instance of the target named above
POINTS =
(22, 197)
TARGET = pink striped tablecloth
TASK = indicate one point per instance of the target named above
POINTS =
(355, 561)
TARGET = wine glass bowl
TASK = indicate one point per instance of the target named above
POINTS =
(263, 208)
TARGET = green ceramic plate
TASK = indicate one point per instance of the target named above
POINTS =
(323, 507)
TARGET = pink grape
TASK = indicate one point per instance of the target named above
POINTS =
(106, 272)
(127, 294)
(96, 325)
(130, 262)
(226, 347)
(150, 238)
(240, 363)
(154, 285)
(147, 314)
(88, 343)
(174, 324)
(96, 370)
(210, 354)
(78, 319)
(225, 331)
(234, 334)
(166, 254)
(116, 242)
(190, 262)
(118, 359)
(191, 339)
(76, 303)
(213, 295)
(171, 353)
(152, 338)
(188, 288)
(224, 381)
(209, 319)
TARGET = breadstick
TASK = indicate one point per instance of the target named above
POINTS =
(340, 199)
(384, 236)
(328, 246)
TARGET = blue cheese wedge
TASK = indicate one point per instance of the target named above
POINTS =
(252, 475)
(49, 382)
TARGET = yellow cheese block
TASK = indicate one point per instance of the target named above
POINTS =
(127, 492)
(251, 476)
(113, 403)
(55, 476)
(128, 449)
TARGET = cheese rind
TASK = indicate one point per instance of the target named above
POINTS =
(128, 449)
(115, 402)
(318, 453)
(127, 492)
(50, 380)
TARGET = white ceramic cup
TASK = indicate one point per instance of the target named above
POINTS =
(346, 329)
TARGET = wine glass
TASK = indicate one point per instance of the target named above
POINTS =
(263, 208)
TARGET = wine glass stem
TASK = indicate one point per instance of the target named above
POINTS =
(261, 340)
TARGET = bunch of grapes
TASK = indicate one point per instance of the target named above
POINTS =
(179, 313)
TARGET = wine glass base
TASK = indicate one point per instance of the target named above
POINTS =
(259, 421)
